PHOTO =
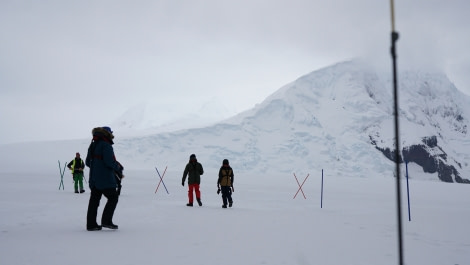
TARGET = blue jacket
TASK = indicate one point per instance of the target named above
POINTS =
(102, 163)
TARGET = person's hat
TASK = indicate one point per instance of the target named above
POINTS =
(77, 154)
(108, 129)
(104, 131)
(192, 156)
(225, 162)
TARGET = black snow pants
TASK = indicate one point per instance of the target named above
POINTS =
(226, 194)
(94, 203)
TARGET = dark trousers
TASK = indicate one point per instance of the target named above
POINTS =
(226, 194)
(94, 203)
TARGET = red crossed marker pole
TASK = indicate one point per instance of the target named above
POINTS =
(161, 180)
(300, 186)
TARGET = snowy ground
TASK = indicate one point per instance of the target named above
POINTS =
(40, 224)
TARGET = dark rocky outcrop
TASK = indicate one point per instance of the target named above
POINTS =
(421, 155)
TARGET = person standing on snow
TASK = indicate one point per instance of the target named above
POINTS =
(77, 165)
(103, 165)
(225, 183)
(194, 170)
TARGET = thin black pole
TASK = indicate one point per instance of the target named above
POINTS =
(321, 200)
(408, 191)
(394, 39)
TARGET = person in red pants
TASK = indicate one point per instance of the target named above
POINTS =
(194, 171)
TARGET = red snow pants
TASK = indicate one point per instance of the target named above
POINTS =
(193, 188)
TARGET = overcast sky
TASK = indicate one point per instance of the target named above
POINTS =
(69, 66)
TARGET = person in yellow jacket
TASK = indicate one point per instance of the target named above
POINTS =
(77, 166)
(225, 183)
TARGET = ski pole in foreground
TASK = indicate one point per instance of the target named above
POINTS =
(394, 38)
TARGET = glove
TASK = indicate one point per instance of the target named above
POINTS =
(182, 183)
(218, 190)
(233, 190)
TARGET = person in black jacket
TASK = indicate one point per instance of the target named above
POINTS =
(194, 170)
(225, 183)
(103, 165)
(77, 165)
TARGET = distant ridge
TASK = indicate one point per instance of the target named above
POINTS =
(338, 119)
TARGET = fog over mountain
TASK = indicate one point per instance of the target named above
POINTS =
(339, 119)
(148, 118)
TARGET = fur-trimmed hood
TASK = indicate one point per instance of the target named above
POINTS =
(101, 132)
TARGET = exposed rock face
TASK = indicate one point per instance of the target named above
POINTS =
(430, 157)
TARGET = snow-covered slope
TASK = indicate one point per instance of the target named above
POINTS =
(339, 119)
(434, 125)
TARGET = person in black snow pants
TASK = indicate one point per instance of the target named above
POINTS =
(225, 183)
(103, 165)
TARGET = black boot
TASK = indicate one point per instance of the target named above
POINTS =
(199, 202)
(93, 228)
(110, 226)
(189, 204)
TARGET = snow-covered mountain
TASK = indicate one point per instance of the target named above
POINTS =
(338, 119)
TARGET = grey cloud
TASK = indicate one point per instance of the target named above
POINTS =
(122, 52)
